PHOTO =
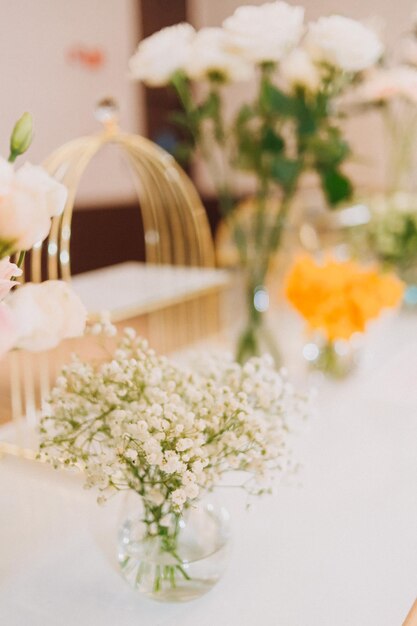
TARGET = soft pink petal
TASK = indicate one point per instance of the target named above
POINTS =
(8, 332)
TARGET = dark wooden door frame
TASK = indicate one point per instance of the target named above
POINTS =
(160, 103)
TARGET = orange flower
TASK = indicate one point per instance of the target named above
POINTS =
(339, 298)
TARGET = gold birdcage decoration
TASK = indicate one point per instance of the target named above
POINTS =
(177, 240)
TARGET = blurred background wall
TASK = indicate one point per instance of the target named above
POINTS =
(58, 58)
(391, 19)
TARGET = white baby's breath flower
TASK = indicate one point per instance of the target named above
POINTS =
(184, 444)
(192, 491)
(167, 432)
(155, 497)
(343, 43)
(265, 33)
(166, 521)
(159, 56)
(211, 59)
(179, 497)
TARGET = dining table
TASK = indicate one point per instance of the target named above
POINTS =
(335, 544)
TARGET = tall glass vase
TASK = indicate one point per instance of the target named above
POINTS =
(257, 337)
(257, 230)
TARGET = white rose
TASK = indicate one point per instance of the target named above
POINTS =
(28, 200)
(46, 313)
(209, 56)
(162, 54)
(264, 33)
(343, 43)
(298, 70)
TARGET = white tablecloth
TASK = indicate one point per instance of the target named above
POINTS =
(337, 549)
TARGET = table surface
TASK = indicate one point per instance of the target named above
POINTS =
(336, 548)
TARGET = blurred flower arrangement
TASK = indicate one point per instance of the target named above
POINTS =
(139, 422)
(290, 125)
(33, 317)
(391, 89)
(338, 299)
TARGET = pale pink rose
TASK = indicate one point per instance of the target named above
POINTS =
(8, 333)
(28, 200)
(379, 86)
(45, 314)
(408, 51)
(387, 84)
(37, 181)
(7, 271)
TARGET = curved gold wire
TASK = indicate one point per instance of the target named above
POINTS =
(175, 224)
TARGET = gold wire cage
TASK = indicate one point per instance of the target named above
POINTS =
(174, 219)
(176, 233)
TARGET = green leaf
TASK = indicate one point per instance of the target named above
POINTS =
(336, 186)
(274, 100)
(245, 114)
(285, 172)
(271, 141)
(307, 124)
(183, 153)
(180, 119)
(210, 107)
(329, 151)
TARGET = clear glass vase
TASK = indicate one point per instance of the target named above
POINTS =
(257, 337)
(392, 234)
(182, 564)
(336, 359)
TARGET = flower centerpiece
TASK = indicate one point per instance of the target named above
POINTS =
(338, 299)
(289, 127)
(391, 91)
(32, 317)
(170, 434)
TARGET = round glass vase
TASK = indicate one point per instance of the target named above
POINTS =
(180, 562)
(336, 359)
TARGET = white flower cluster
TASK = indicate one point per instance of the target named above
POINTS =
(141, 422)
(392, 231)
(256, 35)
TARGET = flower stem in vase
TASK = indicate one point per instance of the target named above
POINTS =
(174, 560)
(335, 358)
(257, 338)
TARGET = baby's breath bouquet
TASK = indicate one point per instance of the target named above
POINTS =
(170, 434)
